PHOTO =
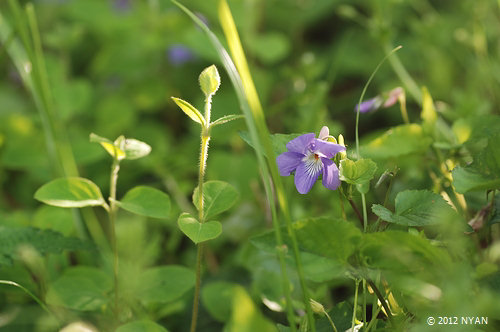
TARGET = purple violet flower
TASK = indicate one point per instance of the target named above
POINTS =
(309, 157)
(369, 105)
(179, 54)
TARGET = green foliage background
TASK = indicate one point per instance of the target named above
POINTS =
(111, 72)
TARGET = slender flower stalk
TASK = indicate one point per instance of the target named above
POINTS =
(115, 167)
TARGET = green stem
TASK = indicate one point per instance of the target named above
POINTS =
(382, 301)
(115, 167)
(331, 321)
(355, 305)
(342, 209)
(364, 301)
(205, 139)
(33, 296)
(356, 210)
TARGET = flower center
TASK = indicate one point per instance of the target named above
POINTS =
(313, 163)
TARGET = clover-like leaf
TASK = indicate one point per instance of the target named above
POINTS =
(196, 231)
(209, 80)
(146, 201)
(190, 111)
(70, 192)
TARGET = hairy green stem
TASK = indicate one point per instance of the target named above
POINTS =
(331, 321)
(205, 139)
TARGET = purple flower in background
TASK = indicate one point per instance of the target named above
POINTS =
(369, 105)
(179, 54)
(309, 157)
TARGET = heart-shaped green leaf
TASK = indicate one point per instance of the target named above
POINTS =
(218, 196)
(146, 201)
(197, 231)
(71, 192)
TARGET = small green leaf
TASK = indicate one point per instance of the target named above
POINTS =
(190, 111)
(398, 141)
(81, 288)
(415, 208)
(142, 326)
(111, 147)
(164, 284)
(218, 196)
(146, 201)
(135, 149)
(226, 118)
(197, 231)
(357, 172)
(209, 80)
(70, 192)
(278, 141)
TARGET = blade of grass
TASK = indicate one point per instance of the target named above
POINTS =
(250, 92)
(27, 55)
(244, 104)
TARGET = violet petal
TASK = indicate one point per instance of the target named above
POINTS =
(288, 162)
(299, 144)
(331, 178)
(304, 180)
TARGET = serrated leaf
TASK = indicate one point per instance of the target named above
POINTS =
(357, 172)
(209, 80)
(226, 118)
(142, 326)
(70, 192)
(196, 231)
(146, 201)
(43, 241)
(218, 196)
(398, 141)
(164, 284)
(81, 288)
(135, 149)
(415, 208)
(190, 111)
(483, 173)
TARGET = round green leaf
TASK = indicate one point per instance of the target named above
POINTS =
(146, 201)
(197, 231)
(216, 298)
(164, 284)
(141, 326)
(209, 80)
(357, 172)
(81, 288)
(218, 196)
(70, 193)
(398, 141)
